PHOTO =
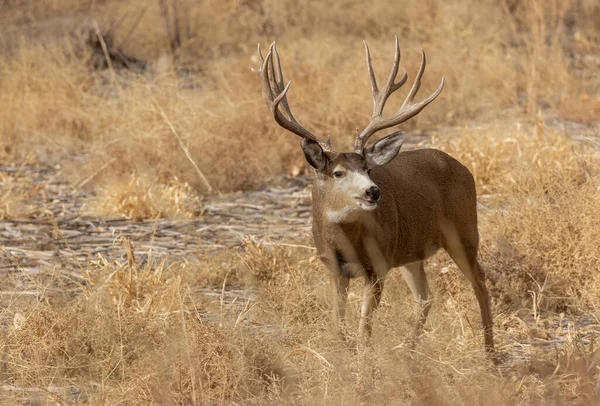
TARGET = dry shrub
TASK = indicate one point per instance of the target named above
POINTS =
(139, 335)
(39, 92)
(10, 200)
(152, 288)
(304, 303)
(136, 336)
(117, 354)
(539, 26)
(585, 109)
(549, 229)
(510, 160)
(17, 195)
(65, 110)
(141, 199)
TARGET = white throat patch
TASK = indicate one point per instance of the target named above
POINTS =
(354, 185)
(339, 216)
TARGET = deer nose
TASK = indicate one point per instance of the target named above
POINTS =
(373, 193)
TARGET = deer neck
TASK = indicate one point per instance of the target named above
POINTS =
(347, 233)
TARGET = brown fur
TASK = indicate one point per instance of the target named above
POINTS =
(428, 201)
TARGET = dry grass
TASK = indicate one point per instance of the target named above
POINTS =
(513, 159)
(140, 331)
(544, 188)
(139, 199)
(10, 199)
(53, 99)
(17, 194)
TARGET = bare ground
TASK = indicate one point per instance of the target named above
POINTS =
(61, 237)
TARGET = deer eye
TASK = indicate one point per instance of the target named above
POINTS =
(369, 172)
(338, 174)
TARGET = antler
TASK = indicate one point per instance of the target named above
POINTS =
(408, 108)
(275, 95)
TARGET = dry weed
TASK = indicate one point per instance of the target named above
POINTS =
(138, 334)
(135, 335)
(544, 187)
(17, 195)
(141, 199)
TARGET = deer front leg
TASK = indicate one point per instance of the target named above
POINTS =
(374, 277)
(415, 277)
(371, 299)
(339, 290)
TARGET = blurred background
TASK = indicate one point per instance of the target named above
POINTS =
(86, 81)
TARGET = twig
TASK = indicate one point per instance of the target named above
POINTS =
(192, 369)
(93, 175)
(308, 350)
(133, 27)
(292, 245)
(439, 362)
(104, 49)
(184, 148)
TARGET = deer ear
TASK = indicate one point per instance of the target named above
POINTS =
(384, 150)
(314, 154)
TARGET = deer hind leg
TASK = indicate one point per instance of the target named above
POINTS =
(463, 252)
(416, 279)
(371, 298)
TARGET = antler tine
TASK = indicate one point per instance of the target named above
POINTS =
(408, 108)
(279, 77)
(272, 77)
(374, 88)
(417, 83)
(380, 96)
(260, 57)
(395, 66)
(395, 86)
(275, 94)
(261, 60)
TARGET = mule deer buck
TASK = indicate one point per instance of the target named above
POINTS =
(375, 208)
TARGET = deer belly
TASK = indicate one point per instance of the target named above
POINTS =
(416, 255)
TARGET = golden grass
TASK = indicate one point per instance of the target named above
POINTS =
(142, 332)
(139, 198)
(136, 335)
(514, 159)
(17, 195)
(53, 99)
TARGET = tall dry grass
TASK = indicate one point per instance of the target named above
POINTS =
(525, 55)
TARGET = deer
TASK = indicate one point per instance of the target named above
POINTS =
(377, 208)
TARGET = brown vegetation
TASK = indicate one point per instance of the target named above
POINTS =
(127, 330)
